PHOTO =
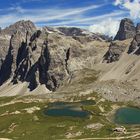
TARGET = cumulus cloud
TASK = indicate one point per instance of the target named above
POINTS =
(109, 27)
(133, 6)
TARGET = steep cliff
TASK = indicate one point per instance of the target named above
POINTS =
(44, 57)
(126, 30)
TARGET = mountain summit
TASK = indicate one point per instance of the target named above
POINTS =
(126, 30)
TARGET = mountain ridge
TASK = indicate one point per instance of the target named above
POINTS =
(50, 58)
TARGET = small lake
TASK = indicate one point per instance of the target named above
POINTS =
(127, 115)
(58, 109)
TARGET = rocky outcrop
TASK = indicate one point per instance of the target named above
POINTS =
(81, 35)
(4, 45)
(21, 26)
(135, 44)
(71, 31)
(8, 65)
(134, 47)
(126, 30)
(138, 28)
(115, 51)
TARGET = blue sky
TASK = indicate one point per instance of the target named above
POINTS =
(101, 16)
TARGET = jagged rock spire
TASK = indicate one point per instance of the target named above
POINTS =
(126, 30)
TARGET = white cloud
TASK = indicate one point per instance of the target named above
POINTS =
(66, 17)
(109, 27)
(106, 23)
(117, 2)
(16, 13)
(133, 6)
(94, 19)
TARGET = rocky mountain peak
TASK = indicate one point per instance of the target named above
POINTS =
(21, 26)
(127, 36)
(135, 44)
(126, 30)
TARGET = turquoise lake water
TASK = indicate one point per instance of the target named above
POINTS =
(68, 109)
(127, 115)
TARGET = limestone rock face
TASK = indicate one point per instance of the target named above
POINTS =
(72, 31)
(8, 65)
(135, 44)
(4, 45)
(45, 56)
(115, 51)
(21, 26)
(126, 30)
(138, 28)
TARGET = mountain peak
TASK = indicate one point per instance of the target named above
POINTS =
(23, 26)
(126, 30)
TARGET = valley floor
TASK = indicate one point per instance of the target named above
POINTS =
(23, 118)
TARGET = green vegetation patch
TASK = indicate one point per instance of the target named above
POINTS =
(27, 121)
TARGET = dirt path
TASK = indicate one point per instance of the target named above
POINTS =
(5, 139)
(111, 138)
